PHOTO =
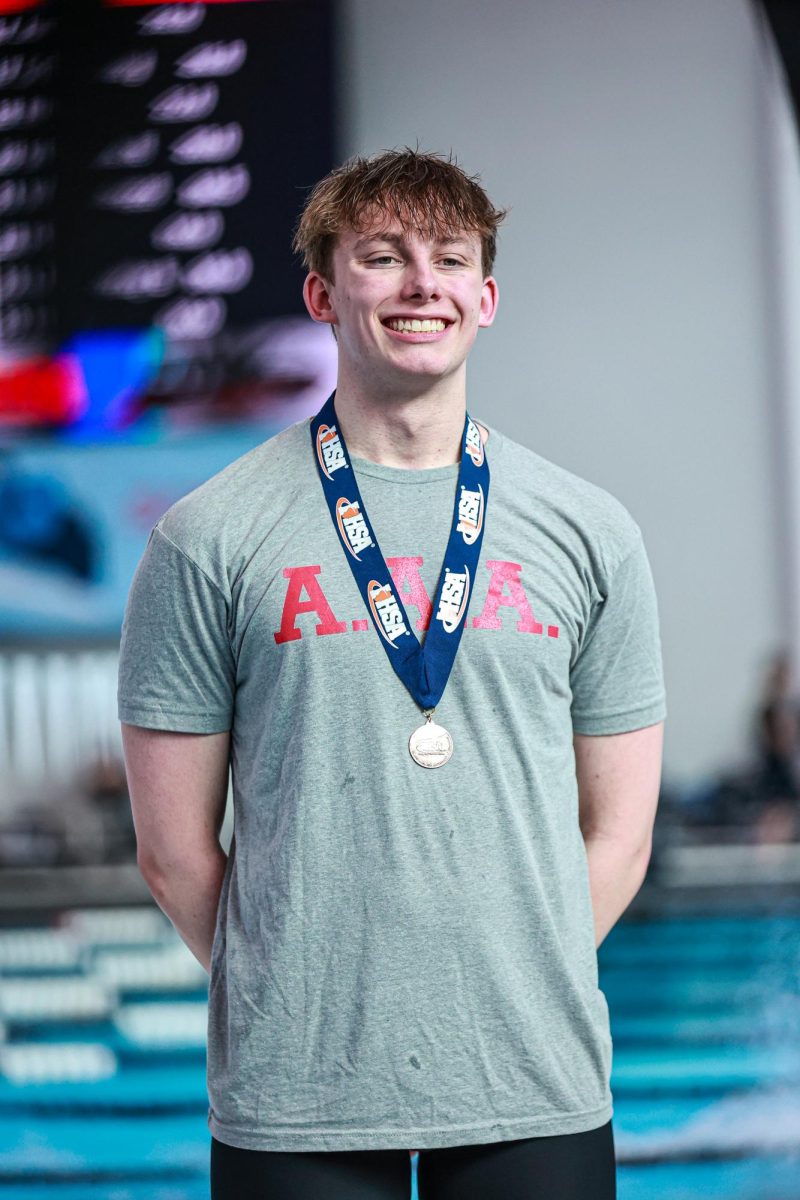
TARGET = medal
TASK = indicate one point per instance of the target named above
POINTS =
(430, 745)
(424, 670)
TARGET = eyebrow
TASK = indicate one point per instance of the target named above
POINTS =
(397, 239)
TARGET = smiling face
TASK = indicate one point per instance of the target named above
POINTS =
(406, 307)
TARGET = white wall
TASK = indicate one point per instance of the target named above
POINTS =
(633, 343)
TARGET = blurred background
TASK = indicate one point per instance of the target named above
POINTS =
(153, 160)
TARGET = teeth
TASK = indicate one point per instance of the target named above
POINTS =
(416, 326)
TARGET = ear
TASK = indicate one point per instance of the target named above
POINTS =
(489, 299)
(317, 297)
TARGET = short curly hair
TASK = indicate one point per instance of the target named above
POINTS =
(429, 193)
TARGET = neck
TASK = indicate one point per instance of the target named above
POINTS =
(415, 432)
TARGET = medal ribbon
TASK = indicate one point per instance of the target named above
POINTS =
(423, 669)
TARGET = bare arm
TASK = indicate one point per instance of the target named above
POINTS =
(178, 784)
(618, 784)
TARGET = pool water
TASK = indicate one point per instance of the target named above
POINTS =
(102, 1067)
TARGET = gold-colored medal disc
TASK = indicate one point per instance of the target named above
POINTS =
(430, 745)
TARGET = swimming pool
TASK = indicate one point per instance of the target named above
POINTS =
(102, 1090)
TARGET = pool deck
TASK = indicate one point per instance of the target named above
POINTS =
(707, 874)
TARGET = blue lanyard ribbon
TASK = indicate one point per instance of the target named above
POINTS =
(423, 669)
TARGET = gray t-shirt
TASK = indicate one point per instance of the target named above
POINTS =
(403, 957)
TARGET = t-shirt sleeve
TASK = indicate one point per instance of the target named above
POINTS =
(176, 666)
(617, 678)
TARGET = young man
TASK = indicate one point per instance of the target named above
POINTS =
(402, 939)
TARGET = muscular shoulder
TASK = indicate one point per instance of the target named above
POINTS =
(216, 523)
(573, 509)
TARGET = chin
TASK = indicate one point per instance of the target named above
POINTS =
(426, 364)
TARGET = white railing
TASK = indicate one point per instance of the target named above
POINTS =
(58, 714)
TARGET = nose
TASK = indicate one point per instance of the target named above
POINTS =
(419, 280)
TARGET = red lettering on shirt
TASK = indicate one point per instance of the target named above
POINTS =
(505, 587)
(304, 579)
(410, 588)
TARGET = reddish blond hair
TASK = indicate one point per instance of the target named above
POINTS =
(428, 193)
